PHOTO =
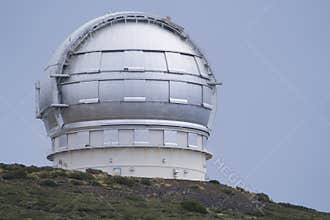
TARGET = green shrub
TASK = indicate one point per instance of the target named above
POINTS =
(76, 182)
(146, 181)
(193, 206)
(240, 189)
(229, 192)
(48, 182)
(123, 180)
(93, 171)
(214, 181)
(14, 174)
(80, 176)
(262, 197)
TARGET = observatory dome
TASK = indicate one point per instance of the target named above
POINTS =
(131, 94)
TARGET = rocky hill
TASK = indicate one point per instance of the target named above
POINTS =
(48, 193)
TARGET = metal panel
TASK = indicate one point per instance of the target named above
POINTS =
(112, 90)
(155, 61)
(178, 92)
(63, 140)
(111, 137)
(112, 61)
(203, 69)
(156, 137)
(134, 88)
(133, 35)
(78, 92)
(199, 140)
(194, 94)
(181, 63)
(170, 138)
(182, 139)
(141, 136)
(84, 63)
(126, 137)
(96, 138)
(134, 60)
(192, 140)
(207, 97)
(158, 90)
(83, 138)
(72, 140)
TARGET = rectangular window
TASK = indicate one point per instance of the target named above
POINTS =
(192, 140)
(170, 138)
(141, 136)
(72, 140)
(117, 171)
(156, 137)
(182, 139)
(63, 140)
(126, 137)
(111, 137)
(83, 139)
(96, 138)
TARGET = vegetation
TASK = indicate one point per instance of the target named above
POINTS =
(48, 193)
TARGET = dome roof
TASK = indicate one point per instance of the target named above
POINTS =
(127, 66)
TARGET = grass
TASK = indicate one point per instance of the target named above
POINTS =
(47, 193)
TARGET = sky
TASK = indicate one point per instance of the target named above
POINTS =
(272, 130)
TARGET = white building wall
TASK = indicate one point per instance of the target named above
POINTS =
(169, 163)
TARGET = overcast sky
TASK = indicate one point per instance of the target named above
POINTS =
(272, 130)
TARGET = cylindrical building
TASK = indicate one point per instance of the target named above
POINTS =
(130, 94)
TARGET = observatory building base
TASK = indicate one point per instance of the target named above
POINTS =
(149, 162)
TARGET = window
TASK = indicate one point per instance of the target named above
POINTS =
(170, 137)
(180, 63)
(156, 137)
(63, 140)
(96, 138)
(141, 136)
(126, 137)
(182, 139)
(112, 90)
(117, 171)
(78, 139)
(195, 140)
(111, 137)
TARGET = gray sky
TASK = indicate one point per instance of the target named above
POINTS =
(273, 120)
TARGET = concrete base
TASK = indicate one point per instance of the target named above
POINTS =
(168, 163)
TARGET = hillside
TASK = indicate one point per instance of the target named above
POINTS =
(48, 193)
